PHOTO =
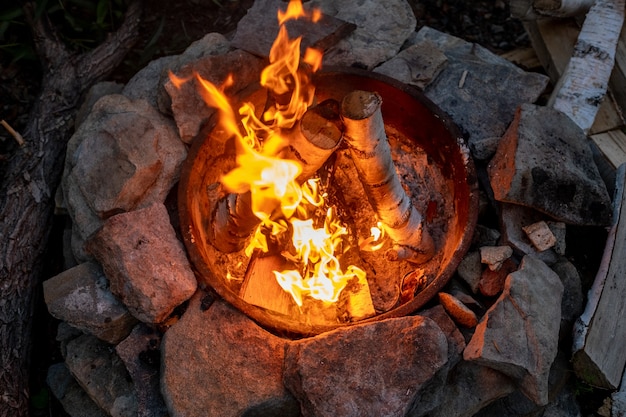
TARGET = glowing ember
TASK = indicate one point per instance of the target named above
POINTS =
(288, 210)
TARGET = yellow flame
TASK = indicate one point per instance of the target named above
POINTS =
(285, 207)
(376, 234)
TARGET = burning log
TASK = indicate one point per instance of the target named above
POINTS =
(311, 143)
(233, 221)
(317, 138)
(369, 147)
(260, 287)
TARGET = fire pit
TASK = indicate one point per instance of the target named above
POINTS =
(435, 169)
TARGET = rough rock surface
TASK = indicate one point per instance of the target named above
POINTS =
(74, 399)
(519, 334)
(126, 155)
(190, 110)
(416, 65)
(237, 364)
(372, 369)
(208, 45)
(95, 93)
(382, 29)
(470, 269)
(102, 375)
(140, 354)
(471, 387)
(513, 218)
(81, 297)
(492, 282)
(544, 162)
(478, 89)
(257, 30)
(146, 83)
(145, 262)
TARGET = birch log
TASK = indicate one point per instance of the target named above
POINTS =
(232, 222)
(584, 83)
(317, 137)
(369, 147)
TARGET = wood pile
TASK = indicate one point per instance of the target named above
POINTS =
(554, 27)
(566, 34)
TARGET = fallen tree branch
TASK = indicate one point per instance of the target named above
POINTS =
(33, 173)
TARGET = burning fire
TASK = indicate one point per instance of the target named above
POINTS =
(288, 210)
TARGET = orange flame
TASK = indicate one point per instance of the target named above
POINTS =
(284, 206)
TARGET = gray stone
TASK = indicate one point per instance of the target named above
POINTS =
(191, 112)
(375, 369)
(102, 375)
(126, 155)
(147, 82)
(562, 401)
(382, 29)
(140, 353)
(257, 30)
(566, 404)
(513, 218)
(519, 334)
(218, 362)
(470, 269)
(95, 93)
(544, 162)
(494, 256)
(72, 397)
(65, 334)
(210, 44)
(479, 89)
(559, 230)
(470, 388)
(456, 342)
(145, 262)
(485, 236)
(81, 297)
(573, 302)
(418, 65)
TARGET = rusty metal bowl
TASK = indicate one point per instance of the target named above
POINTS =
(405, 110)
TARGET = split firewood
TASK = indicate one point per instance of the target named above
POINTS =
(370, 150)
(360, 305)
(232, 222)
(311, 143)
(581, 89)
(260, 287)
(599, 333)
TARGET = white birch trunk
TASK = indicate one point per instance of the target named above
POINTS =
(369, 147)
(584, 83)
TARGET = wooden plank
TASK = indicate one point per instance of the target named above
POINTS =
(600, 332)
(260, 287)
(525, 58)
(613, 146)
